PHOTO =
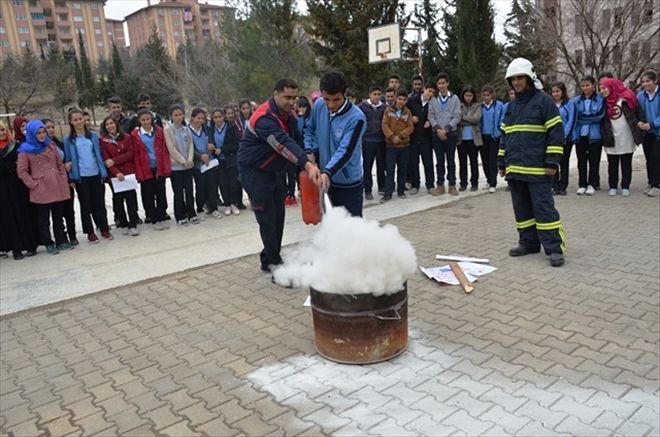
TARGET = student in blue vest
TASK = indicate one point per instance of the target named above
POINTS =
(335, 130)
(492, 112)
(587, 136)
(649, 103)
(224, 140)
(206, 183)
(567, 112)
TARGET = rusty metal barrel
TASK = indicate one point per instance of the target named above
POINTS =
(360, 328)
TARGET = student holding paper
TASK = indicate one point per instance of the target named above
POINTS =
(117, 150)
(206, 165)
(152, 168)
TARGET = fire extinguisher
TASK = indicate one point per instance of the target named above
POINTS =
(310, 200)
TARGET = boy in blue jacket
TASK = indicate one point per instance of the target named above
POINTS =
(335, 130)
(649, 104)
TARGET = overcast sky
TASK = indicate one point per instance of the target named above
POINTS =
(118, 9)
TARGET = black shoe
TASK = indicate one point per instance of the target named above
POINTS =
(32, 252)
(385, 199)
(557, 259)
(522, 250)
(74, 241)
(241, 206)
(562, 192)
(462, 188)
(289, 285)
(167, 217)
(402, 195)
(474, 188)
(381, 191)
(139, 221)
(368, 196)
(4, 255)
(555, 191)
(17, 254)
(265, 268)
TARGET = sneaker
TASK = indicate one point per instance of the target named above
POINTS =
(463, 188)
(107, 235)
(453, 191)
(51, 249)
(17, 254)
(438, 191)
(92, 238)
(65, 246)
(648, 188)
(368, 196)
(75, 242)
(402, 195)
(414, 190)
(562, 192)
(294, 202)
(653, 192)
(182, 222)
(381, 191)
(194, 220)
(385, 199)
(133, 232)
(590, 190)
(158, 226)
(580, 191)
(216, 214)
(555, 191)
(140, 222)
(474, 188)
(625, 192)
(611, 192)
(235, 210)
(491, 190)
(124, 231)
(164, 225)
(522, 250)
(228, 209)
(557, 259)
(32, 252)
(287, 201)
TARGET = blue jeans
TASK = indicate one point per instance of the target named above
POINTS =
(349, 198)
(442, 149)
(398, 158)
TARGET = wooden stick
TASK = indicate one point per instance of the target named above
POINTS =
(458, 271)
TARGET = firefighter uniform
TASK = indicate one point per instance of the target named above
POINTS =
(532, 141)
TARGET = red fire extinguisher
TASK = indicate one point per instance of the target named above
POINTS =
(310, 200)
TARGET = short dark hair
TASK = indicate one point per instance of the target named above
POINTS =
(196, 111)
(389, 90)
(589, 78)
(468, 89)
(444, 76)
(394, 76)
(373, 88)
(402, 92)
(333, 82)
(143, 111)
(143, 97)
(46, 120)
(220, 110)
(605, 74)
(86, 114)
(283, 83)
(176, 107)
(115, 100)
(651, 75)
(488, 88)
(417, 77)
(430, 85)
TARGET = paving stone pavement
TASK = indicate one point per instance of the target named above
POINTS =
(219, 350)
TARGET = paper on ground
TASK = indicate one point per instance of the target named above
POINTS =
(308, 302)
(461, 259)
(445, 275)
(475, 269)
(205, 167)
(129, 183)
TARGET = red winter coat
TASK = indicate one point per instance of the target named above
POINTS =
(141, 158)
(121, 152)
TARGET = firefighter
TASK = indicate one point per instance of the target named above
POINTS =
(530, 151)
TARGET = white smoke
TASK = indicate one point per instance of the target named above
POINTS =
(350, 255)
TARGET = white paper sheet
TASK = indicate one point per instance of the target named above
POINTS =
(308, 302)
(206, 167)
(445, 275)
(129, 183)
(475, 269)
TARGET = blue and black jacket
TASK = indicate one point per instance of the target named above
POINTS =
(338, 140)
(491, 119)
(567, 113)
(532, 137)
(650, 109)
(254, 150)
(71, 155)
(588, 112)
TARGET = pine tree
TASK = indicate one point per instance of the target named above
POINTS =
(523, 30)
(117, 64)
(450, 45)
(426, 16)
(476, 48)
(339, 28)
(86, 83)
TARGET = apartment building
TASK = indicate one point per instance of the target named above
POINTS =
(116, 32)
(177, 21)
(596, 36)
(43, 24)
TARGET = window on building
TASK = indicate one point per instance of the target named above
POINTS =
(78, 18)
(48, 12)
(95, 6)
(75, 6)
(216, 14)
(18, 2)
(3, 30)
(34, 3)
(21, 17)
(634, 18)
(618, 16)
(646, 48)
(161, 13)
(579, 24)
(607, 18)
(65, 29)
(99, 43)
(616, 52)
(4, 43)
(37, 16)
(25, 44)
(63, 17)
(96, 19)
(40, 30)
(60, 4)
(97, 31)
(647, 11)
(177, 33)
(578, 58)
(80, 30)
(23, 30)
(174, 12)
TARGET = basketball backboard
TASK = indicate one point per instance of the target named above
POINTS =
(384, 43)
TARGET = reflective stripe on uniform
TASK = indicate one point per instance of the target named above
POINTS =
(520, 169)
(548, 226)
(500, 152)
(552, 122)
(536, 128)
(559, 150)
(526, 224)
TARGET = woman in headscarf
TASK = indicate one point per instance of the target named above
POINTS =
(41, 168)
(17, 232)
(620, 132)
(19, 126)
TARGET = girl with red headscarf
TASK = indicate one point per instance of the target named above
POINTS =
(19, 125)
(620, 133)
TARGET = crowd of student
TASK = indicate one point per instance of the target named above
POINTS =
(39, 172)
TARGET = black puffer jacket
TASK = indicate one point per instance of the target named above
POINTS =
(632, 119)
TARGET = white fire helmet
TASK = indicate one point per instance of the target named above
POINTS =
(522, 67)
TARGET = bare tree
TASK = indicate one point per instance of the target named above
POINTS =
(22, 87)
(594, 36)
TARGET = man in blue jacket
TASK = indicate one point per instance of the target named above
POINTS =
(270, 142)
(335, 129)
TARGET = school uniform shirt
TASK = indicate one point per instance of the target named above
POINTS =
(149, 141)
(179, 145)
(650, 106)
